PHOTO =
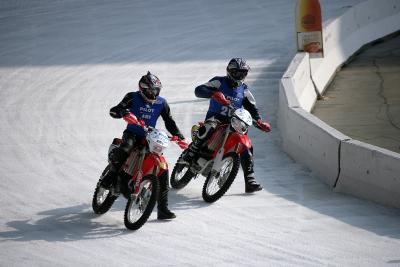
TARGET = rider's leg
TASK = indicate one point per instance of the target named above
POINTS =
(163, 213)
(118, 157)
(246, 160)
(203, 134)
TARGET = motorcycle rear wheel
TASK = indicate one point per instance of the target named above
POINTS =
(138, 210)
(103, 199)
(181, 175)
(216, 186)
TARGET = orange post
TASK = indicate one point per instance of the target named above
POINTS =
(309, 27)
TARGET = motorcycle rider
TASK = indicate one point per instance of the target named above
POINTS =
(225, 91)
(146, 105)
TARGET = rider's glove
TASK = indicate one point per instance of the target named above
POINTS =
(220, 98)
(180, 140)
(130, 118)
(183, 144)
(264, 126)
(124, 112)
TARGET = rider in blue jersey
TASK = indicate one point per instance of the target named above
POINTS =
(225, 91)
(146, 105)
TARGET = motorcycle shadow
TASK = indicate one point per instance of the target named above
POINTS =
(63, 224)
(181, 201)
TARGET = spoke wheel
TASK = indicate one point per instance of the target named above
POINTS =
(138, 210)
(103, 199)
(217, 184)
(181, 175)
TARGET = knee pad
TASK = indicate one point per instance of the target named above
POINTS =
(117, 157)
(206, 130)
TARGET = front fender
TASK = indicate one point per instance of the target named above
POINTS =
(237, 143)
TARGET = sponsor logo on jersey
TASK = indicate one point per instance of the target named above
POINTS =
(146, 109)
(233, 98)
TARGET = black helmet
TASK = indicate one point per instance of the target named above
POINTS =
(150, 87)
(237, 70)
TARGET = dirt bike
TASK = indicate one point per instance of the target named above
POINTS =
(137, 180)
(219, 158)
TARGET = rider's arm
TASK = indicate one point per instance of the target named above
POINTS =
(170, 123)
(119, 110)
(249, 103)
(208, 89)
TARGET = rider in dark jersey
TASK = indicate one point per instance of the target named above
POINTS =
(146, 105)
(224, 91)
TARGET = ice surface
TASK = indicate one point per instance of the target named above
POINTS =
(63, 64)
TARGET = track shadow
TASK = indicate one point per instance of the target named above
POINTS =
(63, 224)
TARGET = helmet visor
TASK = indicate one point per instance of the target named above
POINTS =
(150, 92)
(238, 75)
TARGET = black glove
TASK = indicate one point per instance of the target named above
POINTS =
(125, 112)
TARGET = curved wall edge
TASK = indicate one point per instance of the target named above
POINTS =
(346, 165)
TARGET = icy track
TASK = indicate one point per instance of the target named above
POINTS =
(63, 64)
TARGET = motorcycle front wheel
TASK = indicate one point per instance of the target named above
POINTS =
(181, 174)
(217, 184)
(103, 199)
(138, 210)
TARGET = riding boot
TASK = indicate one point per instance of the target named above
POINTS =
(203, 134)
(251, 184)
(163, 213)
(193, 150)
(117, 159)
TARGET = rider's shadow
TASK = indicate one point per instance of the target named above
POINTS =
(180, 200)
(62, 224)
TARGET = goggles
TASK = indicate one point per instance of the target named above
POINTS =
(238, 75)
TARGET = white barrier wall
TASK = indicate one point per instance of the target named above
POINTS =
(313, 143)
(298, 74)
(306, 138)
(347, 165)
(370, 172)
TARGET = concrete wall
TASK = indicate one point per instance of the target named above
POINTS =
(344, 164)
(298, 74)
(306, 138)
(370, 172)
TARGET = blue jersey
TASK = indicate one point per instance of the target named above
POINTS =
(148, 112)
(239, 96)
(144, 111)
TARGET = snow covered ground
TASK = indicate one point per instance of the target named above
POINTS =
(63, 64)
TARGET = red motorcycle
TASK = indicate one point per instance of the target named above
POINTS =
(137, 180)
(219, 159)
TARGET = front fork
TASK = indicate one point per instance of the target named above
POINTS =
(220, 154)
(136, 187)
